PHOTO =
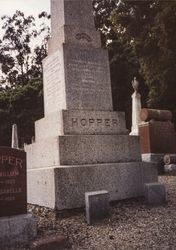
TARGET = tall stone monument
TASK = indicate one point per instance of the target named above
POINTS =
(136, 108)
(81, 145)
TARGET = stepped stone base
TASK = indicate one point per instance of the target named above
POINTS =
(64, 187)
(83, 149)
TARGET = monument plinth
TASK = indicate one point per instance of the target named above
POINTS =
(81, 145)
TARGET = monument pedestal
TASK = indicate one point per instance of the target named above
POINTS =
(94, 153)
(17, 230)
(81, 145)
(64, 187)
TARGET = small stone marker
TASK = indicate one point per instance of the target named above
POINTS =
(155, 194)
(13, 194)
(97, 206)
(15, 137)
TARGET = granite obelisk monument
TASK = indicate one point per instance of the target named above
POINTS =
(81, 145)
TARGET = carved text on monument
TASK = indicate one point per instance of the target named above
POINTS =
(53, 78)
(83, 36)
(96, 122)
(85, 74)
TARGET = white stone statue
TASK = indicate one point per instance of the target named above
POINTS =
(136, 108)
(14, 137)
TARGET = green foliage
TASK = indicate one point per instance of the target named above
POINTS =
(150, 27)
(21, 89)
(19, 57)
(22, 105)
(124, 63)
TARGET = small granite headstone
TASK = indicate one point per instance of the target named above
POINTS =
(155, 194)
(13, 194)
(97, 206)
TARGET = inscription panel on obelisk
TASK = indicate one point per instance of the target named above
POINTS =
(54, 87)
(87, 79)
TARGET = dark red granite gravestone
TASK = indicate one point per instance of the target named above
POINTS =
(13, 184)
(157, 137)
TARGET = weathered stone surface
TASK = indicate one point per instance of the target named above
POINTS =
(20, 229)
(44, 153)
(93, 122)
(87, 79)
(41, 187)
(83, 83)
(97, 206)
(157, 159)
(58, 187)
(54, 82)
(52, 124)
(155, 114)
(75, 36)
(13, 194)
(77, 77)
(71, 12)
(157, 137)
(84, 149)
(51, 243)
(149, 172)
(75, 122)
(155, 194)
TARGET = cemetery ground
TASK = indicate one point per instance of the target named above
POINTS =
(131, 225)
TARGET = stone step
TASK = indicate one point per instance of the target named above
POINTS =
(90, 149)
(64, 187)
(82, 149)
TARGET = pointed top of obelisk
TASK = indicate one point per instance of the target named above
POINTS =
(72, 22)
(76, 13)
(14, 143)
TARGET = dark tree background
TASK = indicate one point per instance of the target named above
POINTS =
(140, 37)
(142, 41)
(21, 90)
